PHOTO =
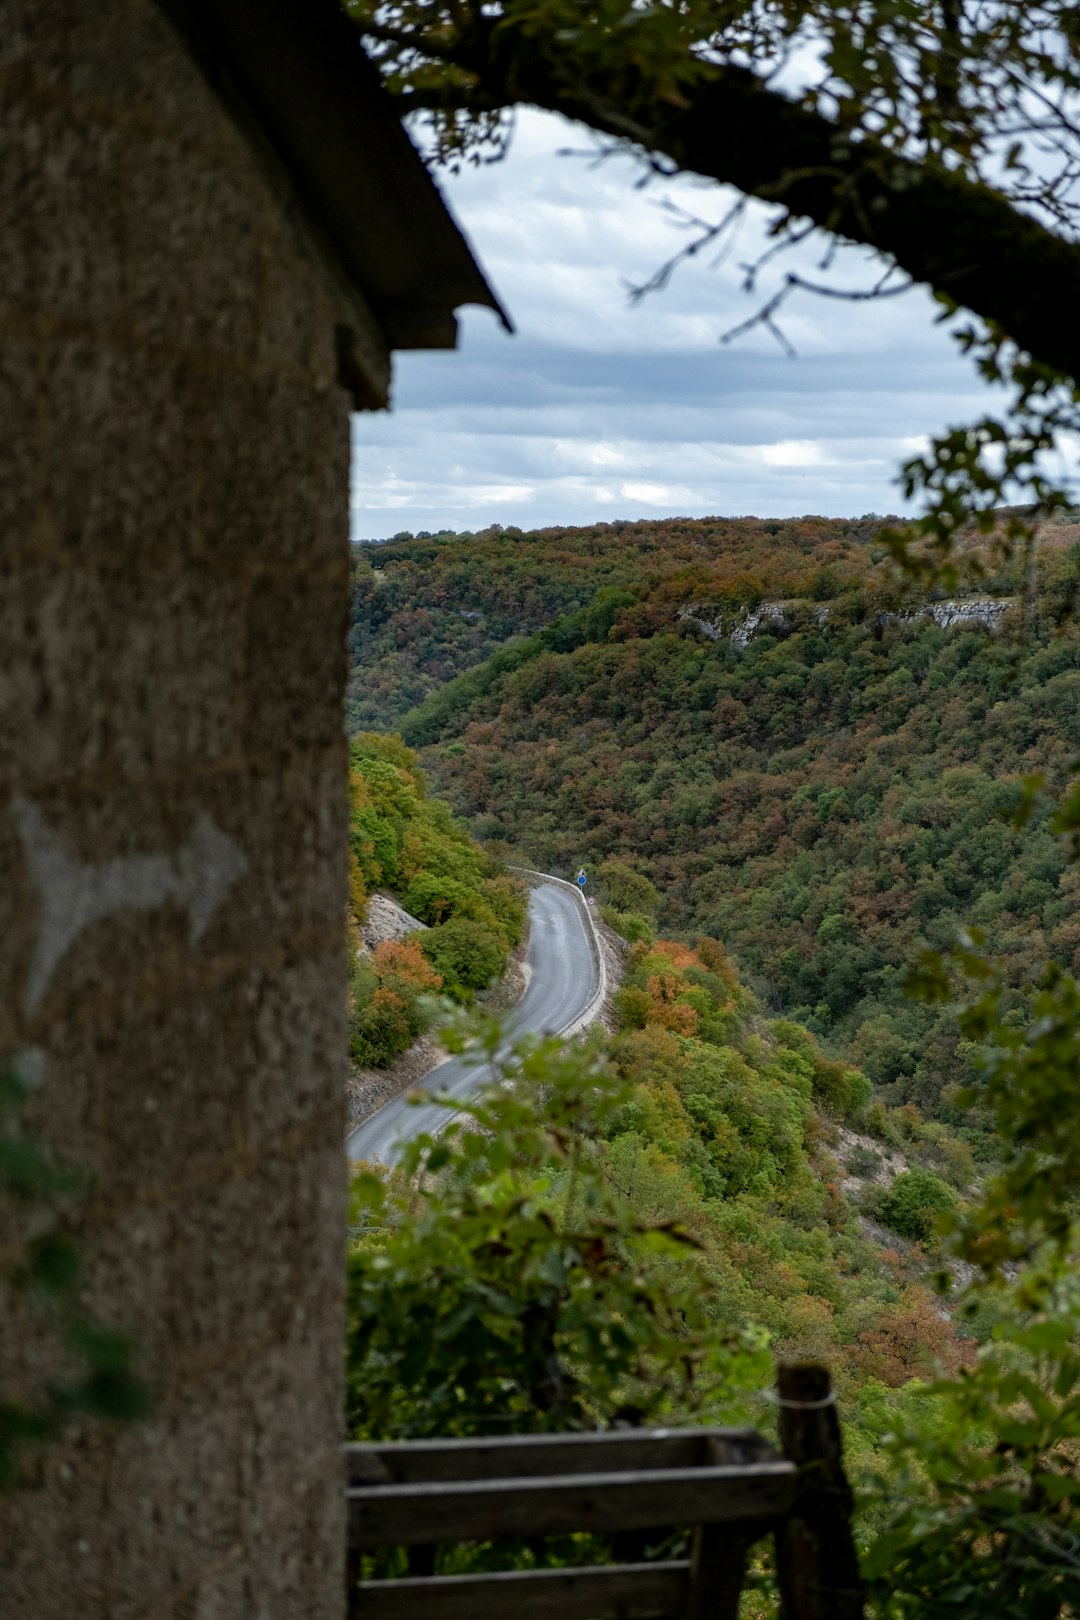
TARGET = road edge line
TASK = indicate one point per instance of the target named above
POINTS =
(592, 1009)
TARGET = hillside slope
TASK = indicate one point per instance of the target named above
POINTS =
(469, 910)
(808, 764)
(429, 608)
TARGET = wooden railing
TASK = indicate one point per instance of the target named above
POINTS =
(729, 1487)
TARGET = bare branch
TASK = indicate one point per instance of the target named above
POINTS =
(764, 317)
(708, 233)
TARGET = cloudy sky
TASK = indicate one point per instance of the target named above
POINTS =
(602, 408)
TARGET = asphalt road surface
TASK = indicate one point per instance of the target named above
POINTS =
(562, 984)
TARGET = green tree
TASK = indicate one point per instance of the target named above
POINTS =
(914, 1202)
(501, 1282)
(627, 890)
(465, 953)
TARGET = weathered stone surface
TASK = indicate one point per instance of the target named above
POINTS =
(62, 250)
(119, 55)
(166, 1088)
(55, 1539)
(288, 1051)
(51, 677)
(167, 1523)
(207, 217)
(173, 583)
(780, 618)
(768, 618)
(102, 505)
(987, 611)
(291, 691)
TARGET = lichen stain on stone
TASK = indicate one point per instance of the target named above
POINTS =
(74, 894)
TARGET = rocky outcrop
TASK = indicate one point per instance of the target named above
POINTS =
(780, 618)
(767, 618)
(770, 618)
(386, 920)
(712, 629)
(989, 612)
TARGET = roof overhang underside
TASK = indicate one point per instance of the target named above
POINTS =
(302, 72)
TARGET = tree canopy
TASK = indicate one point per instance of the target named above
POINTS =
(791, 753)
(943, 134)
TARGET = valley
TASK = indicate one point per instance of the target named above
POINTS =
(828, 795)
(829, 814)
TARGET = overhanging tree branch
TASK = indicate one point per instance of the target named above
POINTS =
(969, 242)
(961, 238)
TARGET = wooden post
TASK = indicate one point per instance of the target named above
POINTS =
(353, 1573)
(815, 1554)
(717, 1571)
(421, 1558)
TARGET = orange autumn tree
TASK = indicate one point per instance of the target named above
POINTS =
(913, 1339)
(386, 1011)
(673, 986)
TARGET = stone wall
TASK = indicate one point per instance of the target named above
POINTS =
(173, 580)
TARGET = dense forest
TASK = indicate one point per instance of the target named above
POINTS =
(815, 1139)
(808, 760)
(729, 1119)
(427, 607)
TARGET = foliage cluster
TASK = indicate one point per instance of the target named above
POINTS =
(387, 1001)
(406, 842)
(727, 1130)
(979, 1496)
(827, 799)
(978, 1482)
(701, 1118)
(512, 1286)
(913, 1202)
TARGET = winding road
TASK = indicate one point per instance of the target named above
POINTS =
(564, 979)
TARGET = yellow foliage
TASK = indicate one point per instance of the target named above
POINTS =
(358, 895)
(663, 1118)
(680, 956)
(651, 1049)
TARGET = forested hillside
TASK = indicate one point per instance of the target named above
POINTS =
(827, 773)
(406, 843)
(425, 608)
(804, 761)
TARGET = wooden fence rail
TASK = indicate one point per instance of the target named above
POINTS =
(729, 1487)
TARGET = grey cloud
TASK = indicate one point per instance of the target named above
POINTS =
(598, 409)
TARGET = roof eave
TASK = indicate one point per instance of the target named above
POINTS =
(301, 69)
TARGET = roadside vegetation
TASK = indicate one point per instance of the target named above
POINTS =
(630, 1231)
(408, 844)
